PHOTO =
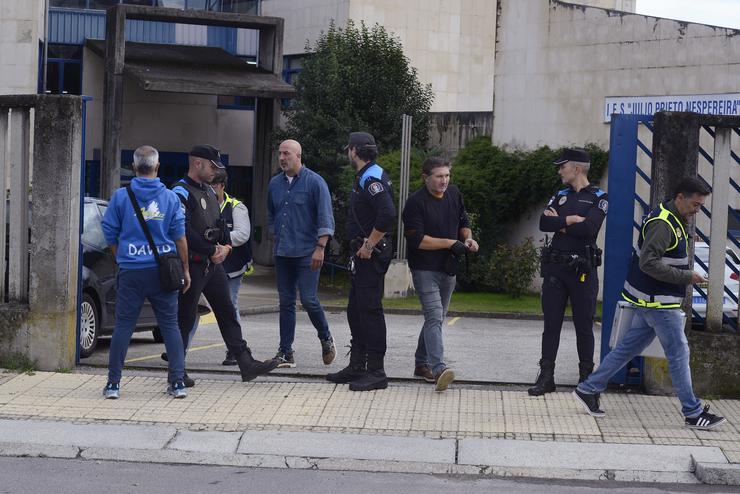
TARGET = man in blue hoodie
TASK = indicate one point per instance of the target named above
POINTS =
(138, 275)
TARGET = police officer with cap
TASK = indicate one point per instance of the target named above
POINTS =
(569, 263)
(209, 244)
(370, 221)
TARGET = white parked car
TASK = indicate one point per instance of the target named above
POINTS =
(699, 303)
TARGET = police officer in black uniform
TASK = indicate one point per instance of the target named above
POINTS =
(369, 223)
(569, 263)
(209, 244)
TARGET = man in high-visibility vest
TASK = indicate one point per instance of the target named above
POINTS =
(656, 285)
(236, 216)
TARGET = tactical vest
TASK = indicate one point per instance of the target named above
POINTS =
(645, 291)
(206, 212)
(237, 260)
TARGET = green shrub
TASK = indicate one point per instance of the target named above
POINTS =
(509, 269)
(501, 186)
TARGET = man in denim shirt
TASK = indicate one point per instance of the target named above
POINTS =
(301, 223)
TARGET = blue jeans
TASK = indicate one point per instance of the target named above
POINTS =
(294, 273)
(234, 284)
(134, 285)
(435, 290)
(667, 325)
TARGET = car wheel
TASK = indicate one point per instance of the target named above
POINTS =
(157, 334)
(89, 326)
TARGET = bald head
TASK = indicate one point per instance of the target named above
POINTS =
(290, 157)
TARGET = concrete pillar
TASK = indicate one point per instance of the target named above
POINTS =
(266, 117)
(675, 156)
(115, 50)
(54, 252)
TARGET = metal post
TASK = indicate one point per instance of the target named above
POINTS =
(718, 233)
(403, 189)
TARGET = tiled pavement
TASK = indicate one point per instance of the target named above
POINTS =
(401, 410)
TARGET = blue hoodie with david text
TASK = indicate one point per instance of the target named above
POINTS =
(162, 211)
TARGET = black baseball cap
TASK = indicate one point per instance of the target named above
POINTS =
(360, 140)
(572, 154)
(208, 152)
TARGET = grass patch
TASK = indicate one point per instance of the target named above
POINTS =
(18, 362)
(472, 302)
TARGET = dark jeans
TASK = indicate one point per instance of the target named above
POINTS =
(134, 285)
(294, 273)
(667, 325)
(435, 290)
(213, 283)
(365, 308)
(559, 284)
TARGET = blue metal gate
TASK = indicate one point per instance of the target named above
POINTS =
(630, 156)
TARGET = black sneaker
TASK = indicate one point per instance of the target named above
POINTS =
(328, 350)
(705, 421)
(590, 403)
(230, 359)
(164, 357)
(285, 360)
(188, 381)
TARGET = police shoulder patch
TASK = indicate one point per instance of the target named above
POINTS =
(562, 200)
(375, 188)
(604, 205)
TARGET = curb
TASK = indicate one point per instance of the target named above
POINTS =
(175, 457)
(476, 458)
(716, 473)
(270, 309)
(454, 313)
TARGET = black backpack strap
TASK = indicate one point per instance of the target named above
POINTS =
(142, 222)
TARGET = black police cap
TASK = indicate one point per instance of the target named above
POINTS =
(572, 154)
(360, 140)
(208, 152)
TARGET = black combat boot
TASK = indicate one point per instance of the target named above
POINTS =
(251, 368)
(545, 380)
(584, 370)
(356, 368)
(374, 378)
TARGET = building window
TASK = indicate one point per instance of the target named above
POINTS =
(292, 67)
(64, 69)
(238, 6)
(236, 102)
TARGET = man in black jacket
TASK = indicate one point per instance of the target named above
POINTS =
(209, 244)
(438, 232)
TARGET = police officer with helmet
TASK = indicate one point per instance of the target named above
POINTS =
(370, 220)
(569, 263)
(209, 244)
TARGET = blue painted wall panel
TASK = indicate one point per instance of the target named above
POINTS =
(68, 26)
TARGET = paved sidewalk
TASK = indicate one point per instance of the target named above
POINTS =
(280, 422)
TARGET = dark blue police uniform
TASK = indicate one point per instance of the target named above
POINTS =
(569, 271)
(371, 206)
(204, 228)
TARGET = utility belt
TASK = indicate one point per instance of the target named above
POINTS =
(380, 257)
(582, 263)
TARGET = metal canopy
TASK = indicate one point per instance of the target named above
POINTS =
(195, 69)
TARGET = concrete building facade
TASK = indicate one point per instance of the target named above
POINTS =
(22, 25)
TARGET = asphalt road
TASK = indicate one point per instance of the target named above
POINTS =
(41, 476)
(478, 349)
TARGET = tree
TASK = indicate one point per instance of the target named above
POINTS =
(355, 79)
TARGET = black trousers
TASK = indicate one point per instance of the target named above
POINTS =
(212, 282)
(559, 284)
(365, 307)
